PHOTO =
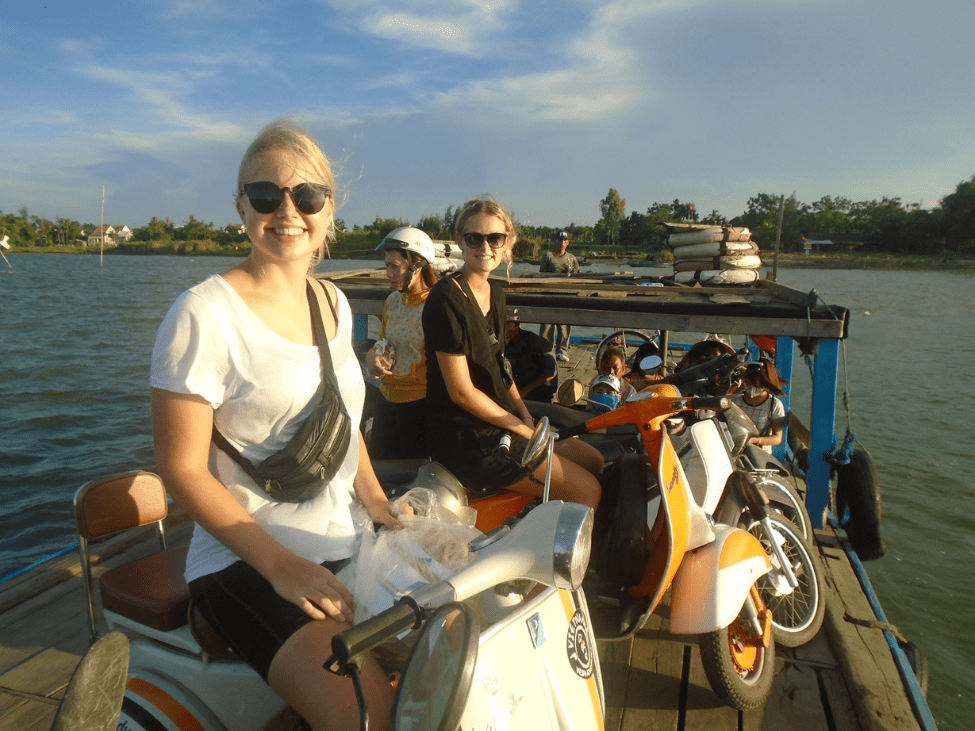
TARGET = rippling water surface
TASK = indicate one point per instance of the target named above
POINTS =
(75, 340)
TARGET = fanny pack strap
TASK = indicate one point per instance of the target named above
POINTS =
(328, 373)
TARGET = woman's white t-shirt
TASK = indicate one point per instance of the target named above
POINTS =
(262, 387)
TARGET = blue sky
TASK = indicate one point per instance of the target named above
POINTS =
(545, 104)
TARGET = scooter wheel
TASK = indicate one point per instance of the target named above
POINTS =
(797, 613)
(738, 666)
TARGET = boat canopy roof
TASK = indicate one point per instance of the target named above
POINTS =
(644, 302)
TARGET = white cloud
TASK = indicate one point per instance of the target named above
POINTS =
(461, 27)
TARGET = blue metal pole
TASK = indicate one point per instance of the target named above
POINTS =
(822, 428)
(784, 358)
(360, 328)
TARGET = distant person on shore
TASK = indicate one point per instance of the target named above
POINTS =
(532, 363)
(398, 359)
(561, 262)
(238, 355)
(472, 401)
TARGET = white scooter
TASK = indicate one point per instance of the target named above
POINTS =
(506, 642)
(711, 451)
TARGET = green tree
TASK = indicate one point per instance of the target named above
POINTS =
(879, 224)
(68, 231)
(383, 226)
(762, 219)
(958, 220)
(195, 230)
(828, 218)
(434, 226)
(611, 210)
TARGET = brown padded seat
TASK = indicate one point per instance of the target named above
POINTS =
(208, 639)
(150, 590)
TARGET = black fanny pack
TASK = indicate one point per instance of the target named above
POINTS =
(301, 470)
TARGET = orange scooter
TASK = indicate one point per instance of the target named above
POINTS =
(651, 535)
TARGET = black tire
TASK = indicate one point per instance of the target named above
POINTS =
(857, 505)
(787, 501)
(797, 614)
(740, 675)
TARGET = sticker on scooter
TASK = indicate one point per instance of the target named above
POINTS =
(578, 647)
(536, 630)
(673, 481)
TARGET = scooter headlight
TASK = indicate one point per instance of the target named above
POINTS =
(573, 544)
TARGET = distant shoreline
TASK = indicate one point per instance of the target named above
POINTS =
(879, 260)
(838, 260)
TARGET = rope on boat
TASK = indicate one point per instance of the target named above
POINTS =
(837, 455)
(841, 455)
(38, 562)
(875, 624)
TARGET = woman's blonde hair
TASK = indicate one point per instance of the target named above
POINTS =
(291, 136)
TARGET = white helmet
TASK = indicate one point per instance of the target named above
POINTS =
(407, 238)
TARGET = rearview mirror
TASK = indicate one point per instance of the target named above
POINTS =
(649, 363)
(570, 392)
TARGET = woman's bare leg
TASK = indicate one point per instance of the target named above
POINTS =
(324, 700)
(582, 453)
(570, 483)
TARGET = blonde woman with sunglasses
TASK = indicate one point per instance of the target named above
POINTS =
(472, 401)
(238, 352)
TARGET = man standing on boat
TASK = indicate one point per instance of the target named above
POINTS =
(561, 263)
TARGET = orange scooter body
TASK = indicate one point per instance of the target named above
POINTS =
(492, 510)
(681, 529)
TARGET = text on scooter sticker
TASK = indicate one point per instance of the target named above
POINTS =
(578, 647)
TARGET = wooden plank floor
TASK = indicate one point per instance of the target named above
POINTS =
(656, 681)
(44, 629)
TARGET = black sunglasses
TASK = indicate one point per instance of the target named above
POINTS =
(475, 240)
(266, 197)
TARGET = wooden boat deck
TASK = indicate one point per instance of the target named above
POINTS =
(845, 679)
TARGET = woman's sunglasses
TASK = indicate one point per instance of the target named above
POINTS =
(476, 240)
(266, 197)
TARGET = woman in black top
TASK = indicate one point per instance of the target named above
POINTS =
(471, 398)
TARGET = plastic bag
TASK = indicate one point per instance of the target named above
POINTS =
(431, 547)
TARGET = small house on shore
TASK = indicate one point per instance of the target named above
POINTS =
(103, 236)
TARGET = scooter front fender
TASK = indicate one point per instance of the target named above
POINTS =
(713, 581)
(538, 669)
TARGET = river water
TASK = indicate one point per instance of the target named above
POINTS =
(75, 340)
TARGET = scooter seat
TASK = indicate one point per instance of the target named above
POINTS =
(206, 636)
(393, 473)
(150, 590)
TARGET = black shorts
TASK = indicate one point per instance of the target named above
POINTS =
(399, 431)
(473, 456)
(252, 618)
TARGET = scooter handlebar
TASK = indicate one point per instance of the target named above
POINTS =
(369, 633)
(711, 403)
(572, 431)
